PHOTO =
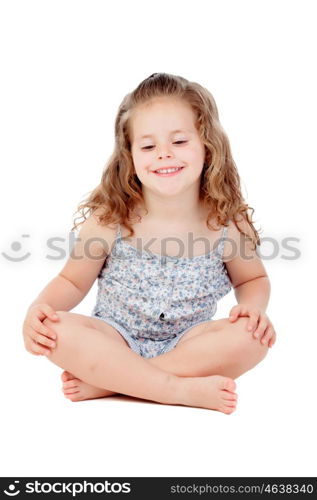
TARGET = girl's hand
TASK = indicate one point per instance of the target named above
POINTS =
(259, 323)
(38, 338)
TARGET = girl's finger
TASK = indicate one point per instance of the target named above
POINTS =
(41, 339)
(253, 321)
(272, 340)
(38, 326)
(267, 336)
(38, 349)
(48, 311)
(234, 314)
(51, 314)
(262, 326)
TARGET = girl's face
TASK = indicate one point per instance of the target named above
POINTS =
(164, 135)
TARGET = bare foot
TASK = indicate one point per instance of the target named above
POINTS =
(214, 392)
(77, 390)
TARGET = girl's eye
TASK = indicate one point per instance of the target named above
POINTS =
(177, 142)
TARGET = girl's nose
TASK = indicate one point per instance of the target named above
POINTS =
(165, 153)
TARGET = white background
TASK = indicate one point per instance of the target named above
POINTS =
(66, 66)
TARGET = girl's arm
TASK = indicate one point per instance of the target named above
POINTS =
(255, 292)
(245, 268)
(60, 294)
(76, 278)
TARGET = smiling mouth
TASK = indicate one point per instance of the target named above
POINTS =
(167, 172)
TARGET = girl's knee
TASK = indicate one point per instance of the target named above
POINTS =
(75, 318)
(246, 345)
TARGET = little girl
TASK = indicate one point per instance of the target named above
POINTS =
(170, 182)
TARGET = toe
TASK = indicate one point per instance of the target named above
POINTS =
(229, 404)
(71, 391)
(67, 376)
(71, 383)
(228, 410)
(229, 396)
(228, 384)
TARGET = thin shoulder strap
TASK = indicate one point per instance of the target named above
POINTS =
(223, 237)
(118, 235)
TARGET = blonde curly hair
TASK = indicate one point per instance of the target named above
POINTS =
(120, 190)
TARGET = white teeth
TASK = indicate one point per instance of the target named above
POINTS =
(168, 170)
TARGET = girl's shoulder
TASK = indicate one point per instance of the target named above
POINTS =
(97, 235)
(235, 240)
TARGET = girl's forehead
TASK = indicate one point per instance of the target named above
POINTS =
(175, 116)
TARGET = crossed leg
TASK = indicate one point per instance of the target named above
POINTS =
(97, 358)
(213, 348)
(216, 347)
